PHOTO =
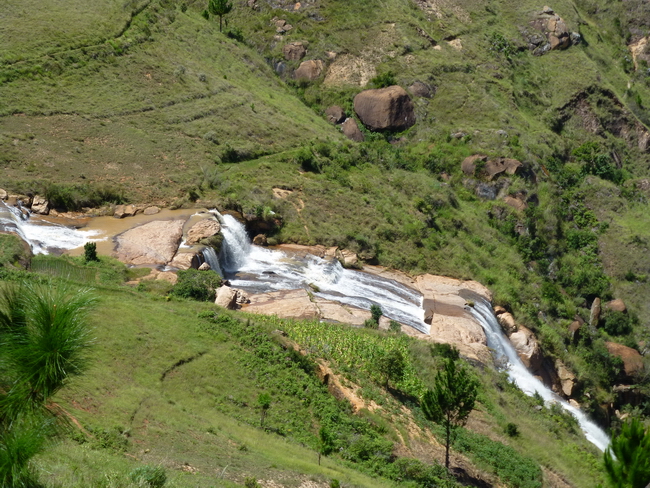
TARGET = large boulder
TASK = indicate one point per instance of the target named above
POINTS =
(632, 360)
(566, 378)
(385, 109)
(527, 348)
(155, 242)
(309, 70)
(226, 297)
(186, 260)
(202, 230)
(40, 205)
(507, 323)
(122, 211)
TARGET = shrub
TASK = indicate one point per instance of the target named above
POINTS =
(371, 324)
(395, 326)
(153, 476)
(197, 285)
(375, 311)
(618, 323)
(90, 252)
(251, 482)
(383, 80)
(512, 430)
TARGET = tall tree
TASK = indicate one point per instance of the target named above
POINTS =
(627, 459)
(451, 400)
(43, 339)
(219, 8)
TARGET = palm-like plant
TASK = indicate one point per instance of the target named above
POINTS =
(43, 341)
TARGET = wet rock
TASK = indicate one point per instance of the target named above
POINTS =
(309, 70)
(40, 205)
(566, 378)
(294, 51)
(204, 267)
(122, 211)
(632, 360)
(155, 242)
(507, 323)
(347, 258)
(385, 109)
(202, 230)
(151, 210)
(260, 240)
(527, 348)
(335, 114)
(352, 131)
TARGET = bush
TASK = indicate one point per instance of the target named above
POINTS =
(618, 323)
(153, 476)
(197, 285)
(383, 80)
(375, 311)
(90, 252)
(512, 430)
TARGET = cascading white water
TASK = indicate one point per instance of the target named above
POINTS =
(504, 352)
(210, 256)
(260, 270)
(43, 237)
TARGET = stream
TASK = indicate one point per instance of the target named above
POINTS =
(258, 270)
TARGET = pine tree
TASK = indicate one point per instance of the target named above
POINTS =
(451, 400)
(627, 459)
(219, 8)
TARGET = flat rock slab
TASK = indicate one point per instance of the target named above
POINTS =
(337, 312)
(284, 304)
(155, 242)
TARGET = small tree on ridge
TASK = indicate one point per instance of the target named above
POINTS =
(219, 8)
(451, 400)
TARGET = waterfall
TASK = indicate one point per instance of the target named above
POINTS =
(519, 374)
(43, 237)
(260, 270)
(210, 257)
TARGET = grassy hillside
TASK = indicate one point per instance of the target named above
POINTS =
(175, 384)
(148, 101)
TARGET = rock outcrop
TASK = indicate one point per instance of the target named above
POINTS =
(419, 89)
(385, 109)
(527, 347)
(550, 32)
(122, 211)
(40, 205)
(594, 314)
(284, 304)
(155, 242)
(186, 260)
(309, 70)
(294, 51)
(202, 230)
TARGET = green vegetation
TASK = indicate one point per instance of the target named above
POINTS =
(219, 8)
(197, 285)
(450, 401)
(44, 340)
(627, 460)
